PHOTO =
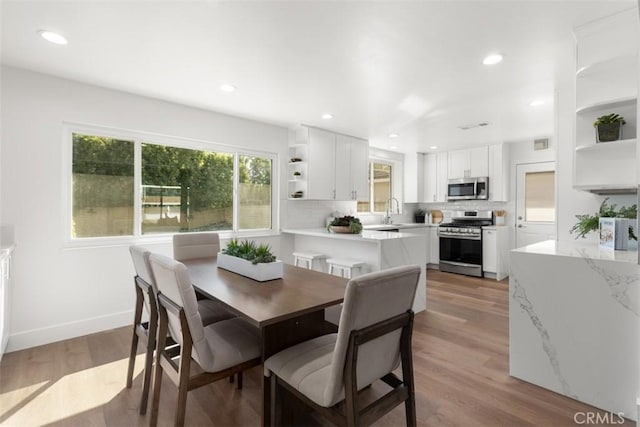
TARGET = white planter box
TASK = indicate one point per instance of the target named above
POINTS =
(259, 272)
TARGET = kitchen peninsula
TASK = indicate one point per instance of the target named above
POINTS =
(378, 249)
(573, 322)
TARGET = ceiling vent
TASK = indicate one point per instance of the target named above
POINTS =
(541, 144)
(473, 125)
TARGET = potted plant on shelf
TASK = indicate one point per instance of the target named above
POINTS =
(609, 127)
(346, 225)
(251, 260)
(419, 215)
(297, 175)
(588, 223)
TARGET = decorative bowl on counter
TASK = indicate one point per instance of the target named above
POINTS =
(346, 224)
(342, 229)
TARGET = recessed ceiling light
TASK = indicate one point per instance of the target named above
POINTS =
(327, 116)
(227, 88)
(393, 135)
(536, 103)
(52, 37)
(492, 59)
(394, 147)
(433, 147)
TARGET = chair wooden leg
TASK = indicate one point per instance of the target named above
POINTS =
(410, 409)
(239, 385)
(148, 369)
(183, 386)
(157, 383)
(132, 356)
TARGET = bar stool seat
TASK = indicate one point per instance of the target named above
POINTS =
(346, 266)
(308, 258)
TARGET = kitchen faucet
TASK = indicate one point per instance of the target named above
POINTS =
(387, 218)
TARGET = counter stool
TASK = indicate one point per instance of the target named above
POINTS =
(308, 258)
(346, 266)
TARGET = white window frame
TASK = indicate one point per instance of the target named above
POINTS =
(138, 138)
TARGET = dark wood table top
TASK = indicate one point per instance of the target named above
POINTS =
(299, 292)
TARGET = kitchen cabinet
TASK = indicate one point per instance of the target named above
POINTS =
(469, 163)
(499, 172)
(5, 298)
(606, 82)
(495, 252)
(331, 166)
(434, 247)
(435, 177)
(351, 168)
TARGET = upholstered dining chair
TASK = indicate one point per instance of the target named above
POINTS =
(195, 245)
(373, 338)
(145, 332)
(221, 349)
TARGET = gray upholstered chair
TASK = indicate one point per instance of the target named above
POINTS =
(188, 246)
(145, 332)
(195, 245)
(221, 349)
(374, 337)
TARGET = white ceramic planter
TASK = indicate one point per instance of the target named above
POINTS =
(260, 272)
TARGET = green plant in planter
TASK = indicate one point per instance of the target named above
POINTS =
(419, 214)
(588, 223)
(608, 127)
(248, 250)
(354, 224)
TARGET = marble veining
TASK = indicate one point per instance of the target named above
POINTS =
(520, 295)
(618, 283)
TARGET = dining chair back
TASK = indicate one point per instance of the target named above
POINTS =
(221, 349)
(195, 245)
(373, 338)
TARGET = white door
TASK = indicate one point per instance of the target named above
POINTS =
(535, 203)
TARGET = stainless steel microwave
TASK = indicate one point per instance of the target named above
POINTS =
(468, 189)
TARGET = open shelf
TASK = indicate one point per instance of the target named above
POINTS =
(608, 104)
(623, 144)
(628, 62)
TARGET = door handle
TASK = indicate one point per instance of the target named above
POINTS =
(519, 225)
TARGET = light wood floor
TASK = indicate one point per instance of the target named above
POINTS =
(460, 362)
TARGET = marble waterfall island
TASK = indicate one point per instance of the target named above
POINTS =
(378, 249)
(573, 322)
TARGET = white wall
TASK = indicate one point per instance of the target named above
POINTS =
(60, 292)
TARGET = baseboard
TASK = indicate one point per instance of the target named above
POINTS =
(64, 331)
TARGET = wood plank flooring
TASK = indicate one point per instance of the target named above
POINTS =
(460, 363)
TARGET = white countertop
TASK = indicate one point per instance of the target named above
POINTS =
(578, 249)
(366, 235)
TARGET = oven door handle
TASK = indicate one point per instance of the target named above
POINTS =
(466, 237)
(459, 264)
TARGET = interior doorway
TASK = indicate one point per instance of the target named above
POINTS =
(535, 203)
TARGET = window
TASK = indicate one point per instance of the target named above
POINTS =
(380, 187)
(540, 197)
(181, 188)
(103, 186)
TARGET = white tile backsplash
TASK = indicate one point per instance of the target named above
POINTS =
(314, 213)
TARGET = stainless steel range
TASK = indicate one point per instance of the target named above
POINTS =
(461, 242)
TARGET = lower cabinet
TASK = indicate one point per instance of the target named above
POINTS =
(495, 252)
(5, 276)
(434, 247)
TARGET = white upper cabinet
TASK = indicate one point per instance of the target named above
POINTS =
(435, 177)
(327, 166)
(606, 82)
(469, 163)
(499, 172)
(352, 168)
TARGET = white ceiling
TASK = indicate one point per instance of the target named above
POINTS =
(413, 68)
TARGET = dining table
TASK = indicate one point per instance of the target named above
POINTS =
(287, 311)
